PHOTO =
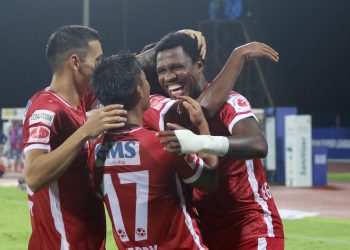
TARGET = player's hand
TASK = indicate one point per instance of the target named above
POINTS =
(102, 119)
(202, 46)
(172, 144)
(254, 50)
(194, 110)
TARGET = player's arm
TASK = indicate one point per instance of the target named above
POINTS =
(247, 142)
(208, 176)
(216, 94)
(42, 167)
(196, 117)
(212, 98)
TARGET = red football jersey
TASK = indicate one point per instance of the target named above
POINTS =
(141, 186)
(242, 207)
(66, 214)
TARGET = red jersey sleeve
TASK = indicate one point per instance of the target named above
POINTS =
(189, 167)
(153, 118)
(39, 128)
(235, 109)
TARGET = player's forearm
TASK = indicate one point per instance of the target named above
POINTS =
(247, 147)
(216, 94)
(48, 167)
(209, 159)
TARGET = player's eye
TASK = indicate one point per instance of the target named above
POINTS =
(160, 71)
(177, 66)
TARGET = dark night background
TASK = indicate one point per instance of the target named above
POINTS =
(312, 37)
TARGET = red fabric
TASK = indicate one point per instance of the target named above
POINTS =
(137, 174)
(66, 212)
(242, 207)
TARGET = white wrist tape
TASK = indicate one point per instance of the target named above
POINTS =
(192, 143)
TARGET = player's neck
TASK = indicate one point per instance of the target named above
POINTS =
(63, 86)
(134, 116)
(199, 87)
(202, 82)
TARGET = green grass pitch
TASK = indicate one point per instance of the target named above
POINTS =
(308, 234)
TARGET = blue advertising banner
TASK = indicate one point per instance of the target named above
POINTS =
(337, 141)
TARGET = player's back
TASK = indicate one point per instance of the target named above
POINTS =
(142, 189)
(65, 214)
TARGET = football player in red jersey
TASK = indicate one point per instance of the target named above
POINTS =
(241, 213)
(65, 213)
(139, 180)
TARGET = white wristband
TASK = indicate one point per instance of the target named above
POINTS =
(192, 143)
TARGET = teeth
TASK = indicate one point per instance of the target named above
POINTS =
(174, 87)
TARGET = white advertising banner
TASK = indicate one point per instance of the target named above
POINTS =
(298, 150)
(270, 133)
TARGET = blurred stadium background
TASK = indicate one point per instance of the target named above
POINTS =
(302, 102)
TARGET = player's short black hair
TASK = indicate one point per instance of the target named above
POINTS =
(176, 39)
(68, 40)
(115, 79)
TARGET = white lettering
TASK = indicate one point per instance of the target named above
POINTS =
(119, 153)
(143, 248)
(42, 116)
(265, 191)
(332, 143)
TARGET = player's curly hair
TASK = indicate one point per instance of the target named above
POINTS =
(68, 40)
(176, 39)
(115, 79)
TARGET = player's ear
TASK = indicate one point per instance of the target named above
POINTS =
(134, 98)
(138, 92)
(74, 61)
(200, 65)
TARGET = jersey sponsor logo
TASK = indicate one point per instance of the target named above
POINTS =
(43, 116)
(158, 101)
(265, 191)
(154, 247)
(118, 153)
(39, 134)
(239, 103)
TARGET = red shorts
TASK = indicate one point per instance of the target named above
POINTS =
(262, 244)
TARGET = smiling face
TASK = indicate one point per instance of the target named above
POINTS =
(177, 74)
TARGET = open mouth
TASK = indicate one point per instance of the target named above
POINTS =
(176, 89)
